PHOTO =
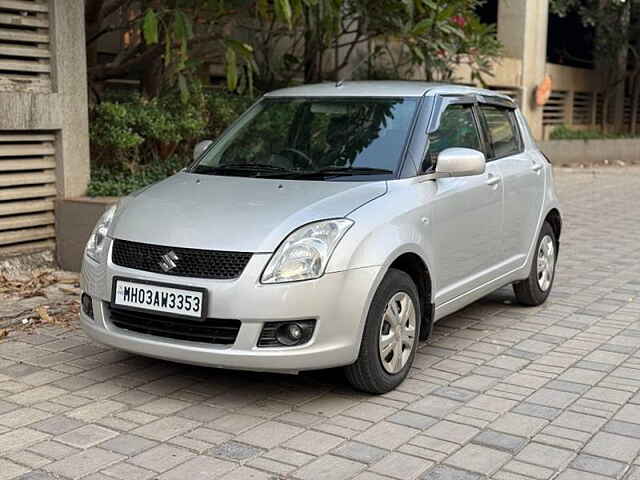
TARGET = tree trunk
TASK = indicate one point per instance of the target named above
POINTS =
(605, 112)
(620, 89)
(309, 46)
(152, 78)
(635, 79)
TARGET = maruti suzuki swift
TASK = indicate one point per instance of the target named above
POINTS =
(330, 226)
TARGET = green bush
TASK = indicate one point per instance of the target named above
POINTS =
(117, 181)
(139, 131)
(566, 133)
(136, 142)
(223, 109)
(113, 127)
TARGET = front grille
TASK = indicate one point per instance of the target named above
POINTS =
(190, 262)
(212, 330)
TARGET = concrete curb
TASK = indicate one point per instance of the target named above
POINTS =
(592, 152)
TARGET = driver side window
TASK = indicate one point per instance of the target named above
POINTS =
(457, 129)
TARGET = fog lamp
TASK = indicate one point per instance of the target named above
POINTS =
(289, 334)
(87, 305)
(286, 334)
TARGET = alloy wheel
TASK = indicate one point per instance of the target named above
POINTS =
(397, 332)
(546, 262)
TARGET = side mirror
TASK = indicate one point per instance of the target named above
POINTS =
(460, 162)
(200, 148)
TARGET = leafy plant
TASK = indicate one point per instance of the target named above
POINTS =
(136, 141)
(116, 181)
(113, 127)
(223, 108)
(166, 43)
(138, 130)
(391, 38)
(439, 37)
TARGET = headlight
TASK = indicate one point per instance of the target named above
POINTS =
(305, 253)
(97, 240)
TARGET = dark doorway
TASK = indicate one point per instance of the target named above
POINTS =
(488, 12)
(569, 42)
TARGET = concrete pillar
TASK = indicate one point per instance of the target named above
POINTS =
(70, 83)
(522, 29)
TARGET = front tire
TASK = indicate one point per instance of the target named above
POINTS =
(390, 337)
(536, 288)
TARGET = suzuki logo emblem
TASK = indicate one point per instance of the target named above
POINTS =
(168, 261)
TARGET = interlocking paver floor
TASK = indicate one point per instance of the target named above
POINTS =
(500, 391)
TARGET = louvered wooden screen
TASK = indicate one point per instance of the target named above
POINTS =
(627, 111)
(554, 111)
(27, 191)
(584, 104)
(599, 108)
(25, 54)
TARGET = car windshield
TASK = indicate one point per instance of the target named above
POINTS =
(314, 138)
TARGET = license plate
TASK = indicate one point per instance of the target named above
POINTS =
(188, 302)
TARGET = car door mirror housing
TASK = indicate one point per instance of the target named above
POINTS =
(200, 148)
(460, 162)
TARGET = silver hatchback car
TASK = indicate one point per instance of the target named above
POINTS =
(331, 225)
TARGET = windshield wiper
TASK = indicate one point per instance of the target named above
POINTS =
(338, 171)
(252, 167)
(267, 168)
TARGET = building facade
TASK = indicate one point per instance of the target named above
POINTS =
(44, 140)
(576, 96)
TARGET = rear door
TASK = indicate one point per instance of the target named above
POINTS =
(523, 179)
(467, 211)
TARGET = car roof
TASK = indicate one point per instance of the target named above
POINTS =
(385, 88)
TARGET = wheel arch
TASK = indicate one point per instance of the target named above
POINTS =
(555, 220)
(414, 265)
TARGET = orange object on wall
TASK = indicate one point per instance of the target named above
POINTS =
(543, 91)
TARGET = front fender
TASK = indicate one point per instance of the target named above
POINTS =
(384, 230)
(387, 227)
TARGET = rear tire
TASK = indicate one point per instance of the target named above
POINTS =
(391, 336)
(536, 288)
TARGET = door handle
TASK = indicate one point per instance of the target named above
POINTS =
(493, 180)
(536, 167)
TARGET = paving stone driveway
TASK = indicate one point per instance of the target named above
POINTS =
(501, 391)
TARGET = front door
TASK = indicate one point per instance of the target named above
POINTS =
(466, 230)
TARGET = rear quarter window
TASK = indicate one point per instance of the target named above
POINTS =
(502, 130)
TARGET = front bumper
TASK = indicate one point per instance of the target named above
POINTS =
(337, 301)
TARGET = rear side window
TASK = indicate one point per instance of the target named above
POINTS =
(457, 129)
(503, 134)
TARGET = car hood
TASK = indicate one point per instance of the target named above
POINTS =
(234, 213)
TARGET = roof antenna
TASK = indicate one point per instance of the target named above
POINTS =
(340, 81)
